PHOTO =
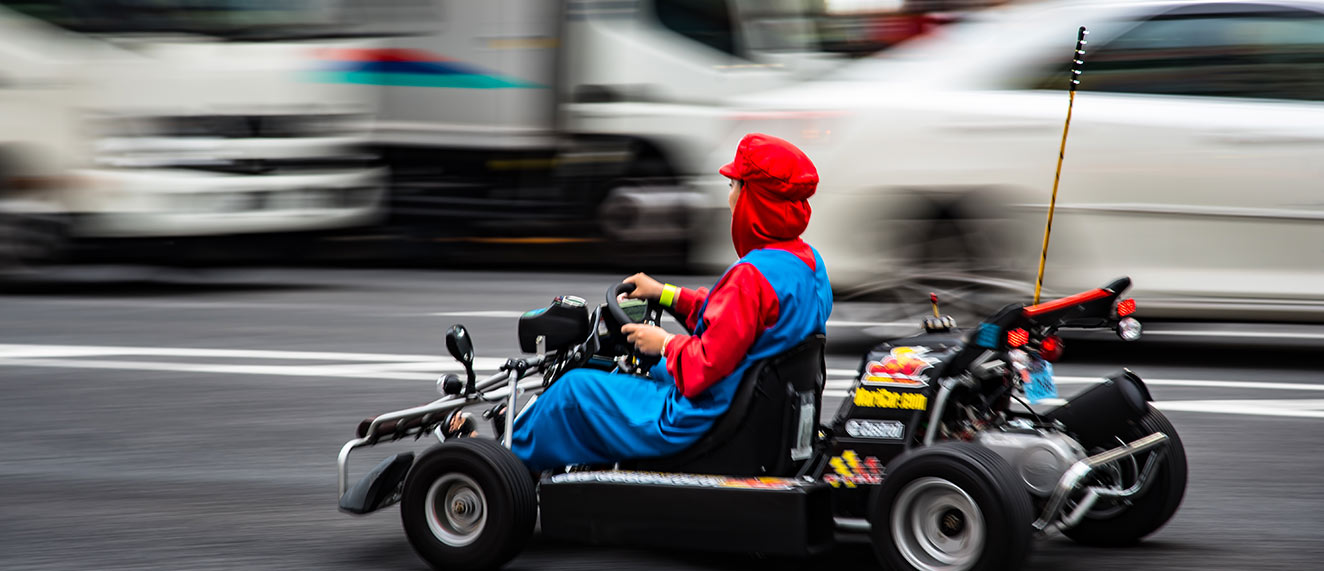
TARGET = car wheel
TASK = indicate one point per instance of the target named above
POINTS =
(951, 506)
(468, 503)
(1112, 523)
(952, 243)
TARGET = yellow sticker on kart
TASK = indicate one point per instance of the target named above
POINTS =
(883, 398)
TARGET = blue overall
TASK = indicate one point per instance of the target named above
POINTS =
(595, 417)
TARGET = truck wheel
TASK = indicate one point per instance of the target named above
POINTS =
(468, 503)
(1114, 523)
(30, 238)
(951, 506)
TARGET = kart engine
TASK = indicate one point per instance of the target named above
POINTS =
(1039, 457)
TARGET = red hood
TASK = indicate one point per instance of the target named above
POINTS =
(777, 181)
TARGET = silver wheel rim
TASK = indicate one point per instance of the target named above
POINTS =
(456, 510)
(936, 525)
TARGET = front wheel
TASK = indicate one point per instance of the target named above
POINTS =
(952, 506)
(468, 503)
(1115, 523)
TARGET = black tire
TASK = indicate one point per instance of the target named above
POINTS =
(468, 476)
(1113, 524)
(983, 513)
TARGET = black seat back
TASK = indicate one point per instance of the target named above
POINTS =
(770, 426)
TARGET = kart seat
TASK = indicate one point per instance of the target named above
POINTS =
(778, 399)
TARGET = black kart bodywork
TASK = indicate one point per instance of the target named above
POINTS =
(928, 457)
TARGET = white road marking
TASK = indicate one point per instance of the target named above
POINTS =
(844, 380)
(283, 370)
(1202, 383)
(20, 351)
(494, 313)
(362, 365)
(1240, 334)
(1313, 408)
(428, 367)
(835, 323)
(1309, 408)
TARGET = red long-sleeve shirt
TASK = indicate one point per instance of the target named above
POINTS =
(740, 307)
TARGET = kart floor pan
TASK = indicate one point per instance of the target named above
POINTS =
(781, 516)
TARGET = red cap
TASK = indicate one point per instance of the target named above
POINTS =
(777, 180)
(780, 167)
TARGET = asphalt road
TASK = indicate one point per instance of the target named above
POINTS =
(160, 419)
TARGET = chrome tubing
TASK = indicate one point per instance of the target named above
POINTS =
(1094, 493)
(948, 385)
(342, 462)
(369, 436)
(1070, 482)
(511, 400)
(444, 404)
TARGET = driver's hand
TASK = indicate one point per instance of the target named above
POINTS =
(645, 288)
(647, 339)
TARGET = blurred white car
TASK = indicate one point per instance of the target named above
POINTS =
(1193, 162)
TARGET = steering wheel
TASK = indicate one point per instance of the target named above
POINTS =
(652, 316)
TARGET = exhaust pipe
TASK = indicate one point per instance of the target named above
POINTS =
(1082, 469)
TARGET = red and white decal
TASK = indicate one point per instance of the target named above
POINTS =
(904, 367)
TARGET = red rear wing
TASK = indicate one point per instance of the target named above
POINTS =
(1068, 301)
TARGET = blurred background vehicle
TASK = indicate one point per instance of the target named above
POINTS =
(174, 120)
(593, 128)
(863, 27)
(1191, 163)
(567, 121)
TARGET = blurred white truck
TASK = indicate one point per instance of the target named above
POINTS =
(580, 119)
(176, 120)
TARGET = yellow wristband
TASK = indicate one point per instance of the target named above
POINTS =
(668, 295)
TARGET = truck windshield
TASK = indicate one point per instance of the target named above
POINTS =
(257, 20)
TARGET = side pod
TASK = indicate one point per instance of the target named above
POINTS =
(380, 487)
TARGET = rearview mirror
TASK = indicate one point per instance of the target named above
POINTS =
(460, 345)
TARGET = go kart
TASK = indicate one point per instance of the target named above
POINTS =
(936, 456)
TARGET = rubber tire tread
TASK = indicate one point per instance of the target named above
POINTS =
(509, 473)
(1010, 537)
(1150, 511)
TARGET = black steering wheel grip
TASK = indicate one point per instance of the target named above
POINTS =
(614, 305)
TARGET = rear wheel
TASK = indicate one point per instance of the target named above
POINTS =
(951, 506)
(468, 503)
(1114, 523)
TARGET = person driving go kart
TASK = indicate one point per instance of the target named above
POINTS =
(774, 297)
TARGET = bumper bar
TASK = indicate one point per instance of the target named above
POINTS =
(414, 421)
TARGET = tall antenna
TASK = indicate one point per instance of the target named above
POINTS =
(1077, 61)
